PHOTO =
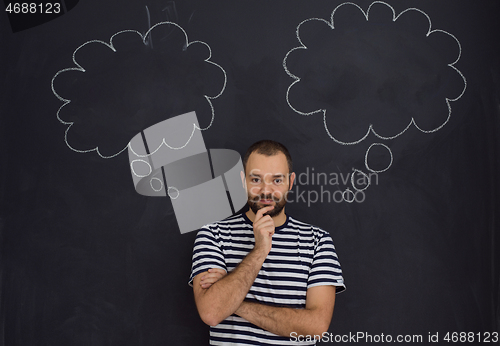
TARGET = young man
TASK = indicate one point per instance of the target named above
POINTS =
(262, 277)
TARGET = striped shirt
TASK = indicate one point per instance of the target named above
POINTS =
(302, 256)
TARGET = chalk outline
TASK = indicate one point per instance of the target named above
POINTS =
(110, 45)
(140, 175)
(169, 195)
(366, 158)
(354, 170)
(151, 184)
(348, 190)
(153, 178)
(370, 127)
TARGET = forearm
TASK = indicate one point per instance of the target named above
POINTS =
(223, 298)
(284, 321)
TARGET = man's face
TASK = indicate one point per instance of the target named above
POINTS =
(267, 182)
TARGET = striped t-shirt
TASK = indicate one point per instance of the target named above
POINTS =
(302, 256)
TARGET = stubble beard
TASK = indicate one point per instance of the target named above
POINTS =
(253, 203)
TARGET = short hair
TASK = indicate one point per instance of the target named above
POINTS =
(268, 147)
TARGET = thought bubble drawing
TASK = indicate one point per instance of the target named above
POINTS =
(121, 87)
(129, 94)
(375, 73)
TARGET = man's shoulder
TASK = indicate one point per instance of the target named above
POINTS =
(293, 222)
(302, 226)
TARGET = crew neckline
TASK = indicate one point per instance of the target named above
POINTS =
(248, 221)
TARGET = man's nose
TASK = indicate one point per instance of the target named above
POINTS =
(267, 187)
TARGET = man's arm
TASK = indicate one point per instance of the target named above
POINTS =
(223, 297)
(313, 320)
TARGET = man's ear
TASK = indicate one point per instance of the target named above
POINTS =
(292, 180)
(243, 180)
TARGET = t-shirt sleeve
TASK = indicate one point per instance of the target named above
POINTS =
(207, 253)
(325, 268)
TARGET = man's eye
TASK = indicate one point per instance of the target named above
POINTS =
(255, 180)
(278, 181)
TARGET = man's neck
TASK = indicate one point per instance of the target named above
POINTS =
(278, 219)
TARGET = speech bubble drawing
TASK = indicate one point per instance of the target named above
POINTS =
(374, 72)
(126, 91)
(121, 87)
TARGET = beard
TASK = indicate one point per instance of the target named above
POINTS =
(253, 203)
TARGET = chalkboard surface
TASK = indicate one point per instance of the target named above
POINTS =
(391, 111)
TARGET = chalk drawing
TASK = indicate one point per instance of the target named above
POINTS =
(370, 128)
(164, 143)
(366, 158)
(348, 192)
(141, 174)
(158, 180)
(111, 46)
(177, 193)
(366, 178)
(324, 58)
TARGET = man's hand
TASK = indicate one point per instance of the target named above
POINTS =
(263, 230)
(213, 275)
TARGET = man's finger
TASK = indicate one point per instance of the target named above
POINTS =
(212, 275)
(264, 222)
(261, 212)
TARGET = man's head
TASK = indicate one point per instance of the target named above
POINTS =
(268, 175)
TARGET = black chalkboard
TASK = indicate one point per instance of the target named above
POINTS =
(403, 93)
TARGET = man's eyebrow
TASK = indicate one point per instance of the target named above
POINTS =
(280, 175)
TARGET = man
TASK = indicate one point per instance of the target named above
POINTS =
(282, 274)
